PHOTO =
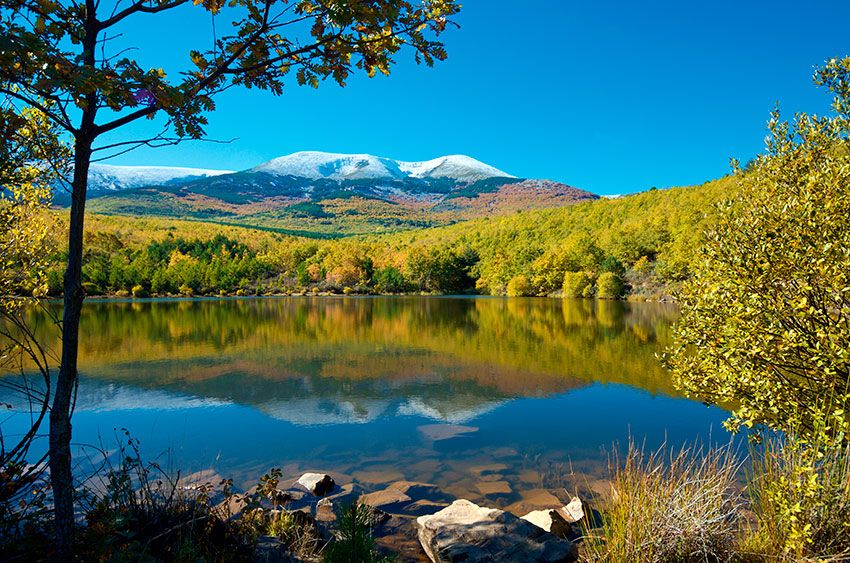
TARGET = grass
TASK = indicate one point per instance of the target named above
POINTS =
(668, 506)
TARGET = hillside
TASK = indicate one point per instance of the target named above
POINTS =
(326, 194)
(646, 240)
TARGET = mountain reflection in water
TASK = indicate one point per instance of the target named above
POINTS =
(355, 385)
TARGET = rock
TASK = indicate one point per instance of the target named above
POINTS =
(534, 499)
(470, 533)
(422, 491)
(388, 500)
(319, 484)
(488, 469)
(423, 507)
(574, 511)
(325, 511)
(550, 520)
(378, 477)
(494, 488)
(438, 432)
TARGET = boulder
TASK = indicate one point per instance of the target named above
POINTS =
(464, 531)
(550, 520)
(318, 484)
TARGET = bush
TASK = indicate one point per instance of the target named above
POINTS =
(519, 286)
(609, 286)
(186, 291)
(669, 506)
(389, 280)
(92, 288)
(139, 291)
(801, 497)
(578, 284)
(354, 541)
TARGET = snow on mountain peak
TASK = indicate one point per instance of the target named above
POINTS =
(110, 177)
(335, 166)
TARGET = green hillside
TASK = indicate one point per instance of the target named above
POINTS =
(639, 245)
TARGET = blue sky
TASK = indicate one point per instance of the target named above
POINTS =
(613, 97)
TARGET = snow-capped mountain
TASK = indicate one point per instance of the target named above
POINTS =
(329, 193)
(341, 167)
(107, 177)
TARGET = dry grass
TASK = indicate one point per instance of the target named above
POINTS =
(669, 506)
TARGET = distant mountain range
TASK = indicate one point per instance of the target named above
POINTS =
(324, 193)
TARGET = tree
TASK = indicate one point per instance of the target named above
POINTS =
(609, 286)
(519, 286)
(578, 284)
(57, 57)
(25, 242)
(765, 326)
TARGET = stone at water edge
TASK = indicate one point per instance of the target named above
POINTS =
(574, 511)
(550, 520)
(319, 484)
(470, 533)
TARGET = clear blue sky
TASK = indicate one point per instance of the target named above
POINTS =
(613, 97)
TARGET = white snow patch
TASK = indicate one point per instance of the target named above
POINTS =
(111, 177)
(337, 166)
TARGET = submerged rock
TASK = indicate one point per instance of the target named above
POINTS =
(319, 484)
(388, 500)
(467, 532)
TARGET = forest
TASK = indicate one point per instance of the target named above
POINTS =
(638, 246)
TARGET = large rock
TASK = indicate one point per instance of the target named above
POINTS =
(319, 484)
(470, 533)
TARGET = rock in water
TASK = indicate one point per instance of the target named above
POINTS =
(574, 511)
(550, 520)
(470, 533)
(319, 484)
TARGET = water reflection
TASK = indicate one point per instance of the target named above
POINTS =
(352, 384)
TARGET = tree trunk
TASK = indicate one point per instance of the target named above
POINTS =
(61, 475)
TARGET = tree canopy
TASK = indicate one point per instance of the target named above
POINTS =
(765, 325)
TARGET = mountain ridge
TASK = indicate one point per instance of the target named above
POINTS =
(327, 193)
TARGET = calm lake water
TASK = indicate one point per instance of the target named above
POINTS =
(460, 392)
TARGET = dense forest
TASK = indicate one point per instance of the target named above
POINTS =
(638, 246)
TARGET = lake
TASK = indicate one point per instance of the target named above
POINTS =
(457, 391)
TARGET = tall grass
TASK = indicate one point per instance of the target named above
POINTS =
(669, 506)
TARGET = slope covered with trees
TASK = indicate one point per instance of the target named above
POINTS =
(640, 245)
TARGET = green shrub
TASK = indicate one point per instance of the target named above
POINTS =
(92, 288)
(354, 541)
(609, 286)
(139, 291)
(801, 498)
(578, 284)
(389, 280)
(519, 286)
